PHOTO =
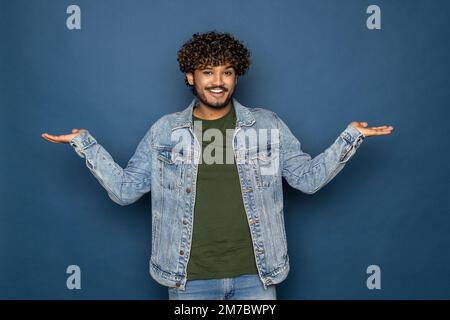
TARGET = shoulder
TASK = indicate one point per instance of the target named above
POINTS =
(264, 117)
(262, 112)
(166, 120)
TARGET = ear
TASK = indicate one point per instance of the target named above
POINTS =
(190, 78)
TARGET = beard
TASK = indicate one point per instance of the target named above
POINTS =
(216, 105)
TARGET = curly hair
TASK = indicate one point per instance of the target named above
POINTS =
(214, 49)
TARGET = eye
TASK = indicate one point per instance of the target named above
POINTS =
(207, 73)
(228, 73)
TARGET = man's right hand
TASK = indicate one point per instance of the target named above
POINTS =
(64, 138)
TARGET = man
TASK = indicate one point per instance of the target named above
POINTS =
(217, 207)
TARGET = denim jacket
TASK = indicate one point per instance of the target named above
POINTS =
(160, 167)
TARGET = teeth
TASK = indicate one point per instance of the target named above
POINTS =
(216, 91)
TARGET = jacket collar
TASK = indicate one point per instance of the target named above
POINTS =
(243, 116)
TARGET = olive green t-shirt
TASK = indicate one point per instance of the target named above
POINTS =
(221, 241)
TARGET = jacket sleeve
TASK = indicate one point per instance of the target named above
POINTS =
(310, 174)
(124, 186)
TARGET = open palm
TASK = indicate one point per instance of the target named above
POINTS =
(64, 138)
(367, 131)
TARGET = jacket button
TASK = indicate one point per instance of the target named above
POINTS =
(188, 190)
(181, 252)
(185, 222)
(178, 284)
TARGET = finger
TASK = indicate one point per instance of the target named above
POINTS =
(377, 132)
(386, 129)
(52, 137)
(382, 132)
(49, 139)
(45, 135)
(56, 138)
(381, 127)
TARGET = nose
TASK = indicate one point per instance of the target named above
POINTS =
(218, 79)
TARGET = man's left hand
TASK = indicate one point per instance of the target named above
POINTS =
(367, 131)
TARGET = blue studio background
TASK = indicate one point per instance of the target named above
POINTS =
(315, 63)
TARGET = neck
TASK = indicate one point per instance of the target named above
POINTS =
(205, 112)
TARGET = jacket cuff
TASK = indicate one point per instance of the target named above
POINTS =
(82, 141)
(353, 136)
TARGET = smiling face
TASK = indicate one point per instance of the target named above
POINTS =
(214, 86)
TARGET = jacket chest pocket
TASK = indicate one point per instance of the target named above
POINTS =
(265, 165)
(170, 167)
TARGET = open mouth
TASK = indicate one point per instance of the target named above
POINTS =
(217, 92)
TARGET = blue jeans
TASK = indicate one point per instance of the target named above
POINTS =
(244, 287)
